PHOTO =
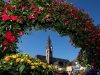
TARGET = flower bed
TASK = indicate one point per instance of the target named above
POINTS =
(23, 64)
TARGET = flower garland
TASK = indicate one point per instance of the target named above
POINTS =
(16, 16)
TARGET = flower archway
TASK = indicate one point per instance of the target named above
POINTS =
(17, 16)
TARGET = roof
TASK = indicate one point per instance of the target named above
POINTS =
(43, 58)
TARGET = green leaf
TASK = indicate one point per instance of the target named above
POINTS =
(21, 69)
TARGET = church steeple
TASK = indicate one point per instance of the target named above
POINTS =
(49, 51)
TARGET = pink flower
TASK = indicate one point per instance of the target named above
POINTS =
(13, 18)
(5, 17)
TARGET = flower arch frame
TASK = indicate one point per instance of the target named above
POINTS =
(17, 16)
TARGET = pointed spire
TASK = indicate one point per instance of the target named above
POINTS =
(49, 42)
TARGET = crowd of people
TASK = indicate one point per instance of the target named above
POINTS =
(79, 70)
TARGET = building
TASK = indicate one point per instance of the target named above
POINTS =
(49, 59)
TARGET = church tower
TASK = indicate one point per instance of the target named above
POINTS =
(49, 51)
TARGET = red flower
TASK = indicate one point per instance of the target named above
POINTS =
(4, 13)
(12, 39)
(11, 8)
(86, 17)
(49, 15)
(49, 8)
(76, 18)
(5, 17)
(68, 22)
(5, 43)
(35, 10)
(82, 29)
(5, 7)
(64, 18)
(30, 16)
(8, 34)
(20, 19)
(13, 18)
(33, 6)
(68, 15)
(34, 17)
(59, 15)
(97, 47)
(72, 14)
(20, 32)
(21, 4)
(49, 19)
(24, 8)
(38, 12)
(74, 27)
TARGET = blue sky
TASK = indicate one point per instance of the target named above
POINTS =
(36, 42)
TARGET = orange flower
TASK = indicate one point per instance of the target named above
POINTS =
(18, 60)
(7, 59)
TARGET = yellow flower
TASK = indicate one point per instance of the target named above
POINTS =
(32, 67)
(18, 60)
(22, 60)
(41, 63)
(44, 66)
(29, 61)
(14, 56)
(35, 63)
(7, 59)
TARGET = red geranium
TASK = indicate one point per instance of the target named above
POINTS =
(33, 6)
(13, 18)
(49, 8)
(5, 17)
(12, 39)
(68, 22)
(8, 34)
(4, 13)
(38, 12)
(11, 8)
(20, 32)
(30, 16)
(5, 43)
